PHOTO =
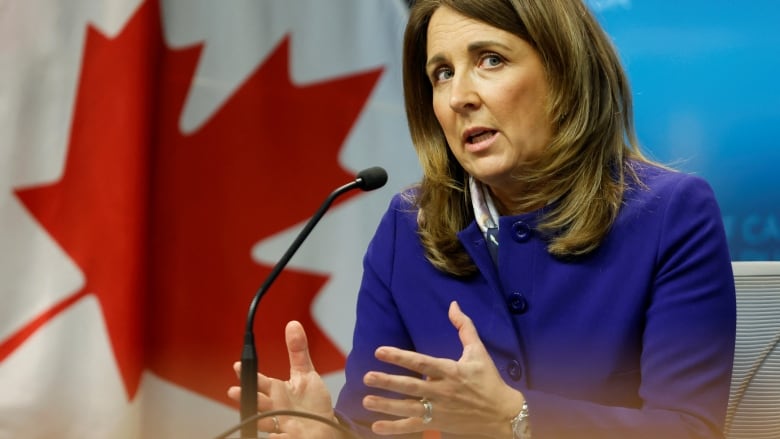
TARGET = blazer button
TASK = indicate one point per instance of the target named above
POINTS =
(517, 303)
(514, 370)
(521, 231)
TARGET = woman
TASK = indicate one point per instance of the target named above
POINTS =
(544, 279)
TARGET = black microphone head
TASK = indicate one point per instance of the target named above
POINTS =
(371, 178)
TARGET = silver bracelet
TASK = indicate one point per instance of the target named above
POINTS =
(520, 427)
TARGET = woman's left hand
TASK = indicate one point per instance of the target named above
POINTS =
(467, 396)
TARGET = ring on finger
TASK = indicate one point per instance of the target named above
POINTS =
(428, 414)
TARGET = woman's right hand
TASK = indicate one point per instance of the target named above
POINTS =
(304, 391)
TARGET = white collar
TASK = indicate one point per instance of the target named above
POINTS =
(485, 211)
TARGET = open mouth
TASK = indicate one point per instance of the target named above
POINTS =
(480, 136)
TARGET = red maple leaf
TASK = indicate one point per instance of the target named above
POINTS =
(162, 224)
(97, 211)
(264, 162)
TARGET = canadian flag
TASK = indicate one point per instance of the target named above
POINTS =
(156, 159)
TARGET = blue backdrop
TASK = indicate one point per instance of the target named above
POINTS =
(706, 101)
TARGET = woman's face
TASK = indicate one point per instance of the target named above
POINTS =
(489, 95)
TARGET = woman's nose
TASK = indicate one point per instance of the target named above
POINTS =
(463, 93)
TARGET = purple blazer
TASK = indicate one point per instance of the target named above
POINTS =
(635, 340)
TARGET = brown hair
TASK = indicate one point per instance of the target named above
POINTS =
(589, 157)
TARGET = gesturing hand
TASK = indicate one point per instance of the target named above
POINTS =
(304, 391)
(467, 396)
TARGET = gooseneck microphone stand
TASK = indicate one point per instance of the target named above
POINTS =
(366, 180)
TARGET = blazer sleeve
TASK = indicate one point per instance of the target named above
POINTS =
(378, 323)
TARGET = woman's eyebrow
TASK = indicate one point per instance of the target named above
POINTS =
(476, 46)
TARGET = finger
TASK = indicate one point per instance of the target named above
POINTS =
(264, 384)
(234, 393)
(263, 402)
(407, 408)
(467, 332)
(414, 361)
(395, 383)
(237, 369)
(270, 426)
(405, 425)
(298, 348)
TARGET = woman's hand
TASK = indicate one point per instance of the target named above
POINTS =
(305, 391)
(467, 396)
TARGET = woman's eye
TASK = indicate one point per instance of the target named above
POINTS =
(442, 74)
(491, 60)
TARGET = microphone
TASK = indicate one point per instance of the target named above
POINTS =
(366, 180)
